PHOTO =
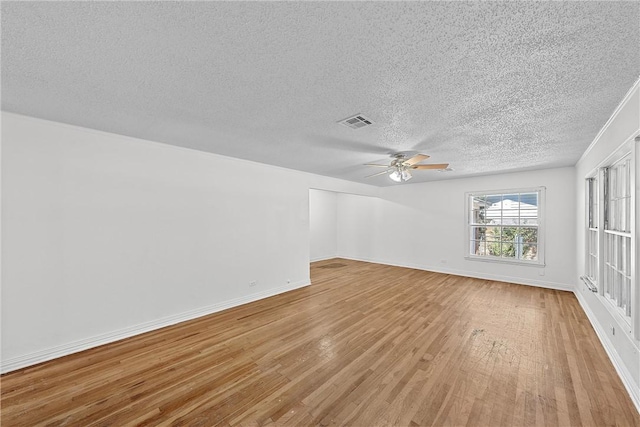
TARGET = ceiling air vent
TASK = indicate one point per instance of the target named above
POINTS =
(356, 122)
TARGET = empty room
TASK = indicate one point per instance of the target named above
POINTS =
(320, 213)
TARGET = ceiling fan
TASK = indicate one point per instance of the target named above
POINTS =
(400, 166)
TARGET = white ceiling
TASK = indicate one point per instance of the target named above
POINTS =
(487, 87)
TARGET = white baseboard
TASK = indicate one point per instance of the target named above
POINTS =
(109, 337)
(618, 364)
(323, 258)
(484, 276)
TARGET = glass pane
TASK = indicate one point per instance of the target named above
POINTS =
(609, 206)
(592, 202)
(529, 199)
(481, 248)
(509, 234)
(491, 199)
(593, 242)
(493, 234)
(478, 233)
(493, 248)
(529, 234)
(530, 252)
(477, 247)
(617, 269)
(627, 214)
(478, 216)
(515, 198)
(510, 216)
(614, 252)
(627, 258)
(510, 202)
(528, 219)
(607, 280)
(508, 250)
(628, 180)
(478, 201)
(593, 269)
(628, 297)
(493, 215)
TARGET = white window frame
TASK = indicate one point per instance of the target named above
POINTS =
(541, 227)
(617, 233)
(593, 241)
(629, 324)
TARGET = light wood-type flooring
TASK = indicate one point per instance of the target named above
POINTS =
(364, 345)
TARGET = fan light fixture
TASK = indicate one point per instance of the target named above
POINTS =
(398, 169)
(400, 175)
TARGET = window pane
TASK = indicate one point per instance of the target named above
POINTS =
(478, 233)
(529, 252)
(509, 233)
(511, 198)
(617, 269)
(478, 201)
(508, 250)
(529, 234)
(529, 199)
(528, 220)
(627, 285)
(627, 214)
(592, 202)
(627, 256)
(510, 216)
(493, 248)
(493, 234)
(478, 247)
(478, 216)
(618, 197)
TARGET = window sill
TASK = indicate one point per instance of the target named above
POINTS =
(505, 261)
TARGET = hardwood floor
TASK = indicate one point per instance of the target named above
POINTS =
(365, 345)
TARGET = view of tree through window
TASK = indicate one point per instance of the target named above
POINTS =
(505, 225)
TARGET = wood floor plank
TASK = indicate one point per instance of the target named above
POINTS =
(364, 345)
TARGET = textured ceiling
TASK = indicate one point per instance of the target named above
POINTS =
(488, 87)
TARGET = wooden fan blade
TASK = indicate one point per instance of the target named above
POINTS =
(373, 164)
(379, 173)
(416, 159)
(435, 166)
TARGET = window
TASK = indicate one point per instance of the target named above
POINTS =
(591, 262)
(505, 226)
(608, 240)
(617, 235)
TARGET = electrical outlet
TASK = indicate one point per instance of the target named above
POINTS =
(252, 284)
(288, 281)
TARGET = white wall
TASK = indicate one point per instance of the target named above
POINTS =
(360, 227)
(106, 236)
(323, 224)
(623, 349)
(423, 226)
